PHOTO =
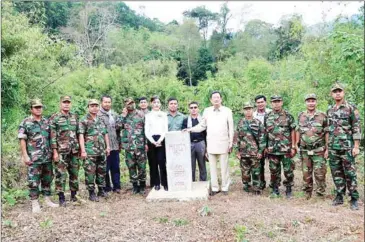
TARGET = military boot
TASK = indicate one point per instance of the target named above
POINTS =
(36, 208)
(73, 196)
(354, 205)
(142, 189)
(92, 196)
(275, 191)
(62, 200)
(246, 188)
(102, 193)
(338, 200)
(135, 188)
(288, 192)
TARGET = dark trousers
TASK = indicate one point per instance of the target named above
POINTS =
(262, 172)
(197, 154)
(157, 162)
(112, 166)
(149, 157)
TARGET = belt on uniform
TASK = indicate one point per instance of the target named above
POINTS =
(312, 147)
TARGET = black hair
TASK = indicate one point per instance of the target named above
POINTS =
(142, 98)
(105, 96)
(154, 98)
(259, 97)
(172, 99)
(214, 92)
(194, 102)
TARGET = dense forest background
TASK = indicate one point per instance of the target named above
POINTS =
(93, 48)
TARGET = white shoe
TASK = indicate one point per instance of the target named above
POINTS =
(50, 203)
(35, 206)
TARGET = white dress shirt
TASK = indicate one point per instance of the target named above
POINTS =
(156, 123)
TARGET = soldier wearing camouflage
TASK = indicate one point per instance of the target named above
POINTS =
(250, 146)
(34, 136)
(94, 144)
(134, 144)
(279, 127)
(310, 136)
(65, 147)
(344, 138)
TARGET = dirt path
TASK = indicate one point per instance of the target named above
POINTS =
(238, 216)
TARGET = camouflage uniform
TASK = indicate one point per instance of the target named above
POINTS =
(312, 130)
(37, 137)
(344, 128)
(64, 139)
(250, 142)
(94, 131)
(278, 127)
(133, 142)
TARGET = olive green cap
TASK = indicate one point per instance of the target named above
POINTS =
(310, 96)
(93, 101)
(276, 98)
(36, 103)
(248, 105)
(337, 86)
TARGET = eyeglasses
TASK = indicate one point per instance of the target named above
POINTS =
(195, 107)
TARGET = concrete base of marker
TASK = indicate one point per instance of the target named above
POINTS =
(199, 191)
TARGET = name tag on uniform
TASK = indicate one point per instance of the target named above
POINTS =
(310, 152)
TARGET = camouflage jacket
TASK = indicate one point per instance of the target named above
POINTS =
(278, 127)
(37, 137)
(93, 131)
(250, 137)
(64, 133)
(312, 130)
(343, 126)
(132, 134)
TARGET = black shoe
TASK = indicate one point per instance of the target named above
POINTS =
(338, 200)
(102, 193)
(246, 188)
(354, 205)
(117, 191)
(165, 188)
(288, 192)
(73, 196)
(62, 200)
(225, 193)
(135, 188)
(308, 195)
(257, 193)
(263, 186)
(275, 191)
(142, 188)
(93, 197)
(157, 187)
(214, 193)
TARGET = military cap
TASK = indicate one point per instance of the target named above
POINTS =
(36, 103)
(128, 100)
(93, 101)
(248, 105)
(336, 86)
(310, 96)
(65, 98)
(276, 98)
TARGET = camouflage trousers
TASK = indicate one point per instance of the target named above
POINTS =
(136, 163)
(95, 171)
(275, 170)
(251, 166)
(313, 164)
(343, 170)
(40, 174)
(67, 163)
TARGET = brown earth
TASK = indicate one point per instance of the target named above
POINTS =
(236, 217)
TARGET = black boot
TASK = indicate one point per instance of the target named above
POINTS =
(62, 200)
(288, 192)
(275, 191)
(102, 193)
(354, 205)
(135, 188)
(73, 196)
(92, 196)
(142, 188)
(338, 200)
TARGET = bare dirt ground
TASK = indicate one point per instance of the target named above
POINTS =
(236, 217)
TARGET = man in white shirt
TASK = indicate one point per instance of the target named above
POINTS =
(259, 114)
(218, 121)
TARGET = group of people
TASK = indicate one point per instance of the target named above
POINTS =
(61, 141)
